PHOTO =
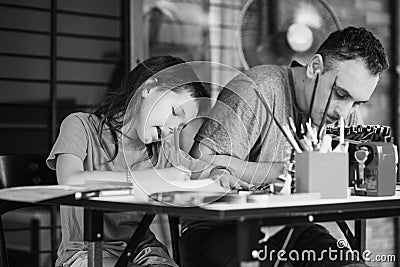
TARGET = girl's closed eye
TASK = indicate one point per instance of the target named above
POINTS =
(177, 110)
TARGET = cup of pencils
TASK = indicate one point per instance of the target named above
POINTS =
(318, 168)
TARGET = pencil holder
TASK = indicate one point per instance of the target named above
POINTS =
(324, 173)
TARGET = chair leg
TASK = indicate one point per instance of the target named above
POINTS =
(53, 233)
(3, 248)
(174, 230)
(35, 243)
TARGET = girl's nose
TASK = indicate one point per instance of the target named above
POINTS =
(175, 123)
(166, 131)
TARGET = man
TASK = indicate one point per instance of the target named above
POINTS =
(242, 137)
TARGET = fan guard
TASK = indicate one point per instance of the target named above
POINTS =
(279, 31)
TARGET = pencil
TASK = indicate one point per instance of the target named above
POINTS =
(313, 95)
(104, 193)
(341, 135)
(265, 104)
(326, 108)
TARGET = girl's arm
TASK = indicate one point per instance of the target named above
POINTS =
(69, 169)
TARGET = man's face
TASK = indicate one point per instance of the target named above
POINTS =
(351, 84)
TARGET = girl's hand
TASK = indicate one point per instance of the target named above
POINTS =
(178, 173)
(228, 181)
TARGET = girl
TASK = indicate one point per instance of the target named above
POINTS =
(124, 132)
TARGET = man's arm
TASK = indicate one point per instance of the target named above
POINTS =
(254, 173)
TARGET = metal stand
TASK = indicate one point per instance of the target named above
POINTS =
(93, 234)
(360, 227)
(248, 235)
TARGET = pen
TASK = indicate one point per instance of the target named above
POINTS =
(103, 193)
(322, 133)
(291, 138)
(293, 130)
(176, 144)
(313, 135)
(326, 143)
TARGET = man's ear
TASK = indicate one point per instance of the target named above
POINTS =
(314, 66)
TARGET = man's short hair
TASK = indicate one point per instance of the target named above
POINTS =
(354, 43)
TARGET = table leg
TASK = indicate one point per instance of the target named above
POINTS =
(360, 227)
(348, 234)
(93, 234)
(137, 236)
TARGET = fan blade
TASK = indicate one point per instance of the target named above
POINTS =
(274, 51)
(308, 15)
(264, 27)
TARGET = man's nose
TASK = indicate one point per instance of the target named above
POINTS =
(344, 108)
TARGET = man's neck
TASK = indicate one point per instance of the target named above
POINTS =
(299, 82)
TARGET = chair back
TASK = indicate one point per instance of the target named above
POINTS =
(21, 170)
(25, 170)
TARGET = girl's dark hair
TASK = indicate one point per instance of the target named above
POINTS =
(353, 43)
(112, 108)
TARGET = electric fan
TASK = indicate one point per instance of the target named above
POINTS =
(279, 31)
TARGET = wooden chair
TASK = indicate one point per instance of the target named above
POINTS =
(23, 170)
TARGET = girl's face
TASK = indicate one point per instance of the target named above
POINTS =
(161, 112)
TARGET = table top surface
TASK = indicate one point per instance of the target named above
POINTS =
(279, 208)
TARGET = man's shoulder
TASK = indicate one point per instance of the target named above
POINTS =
(266, 72)
(268, 77)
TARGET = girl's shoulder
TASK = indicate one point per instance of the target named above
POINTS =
(79, 116)
(80, 119)
(82, 116)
